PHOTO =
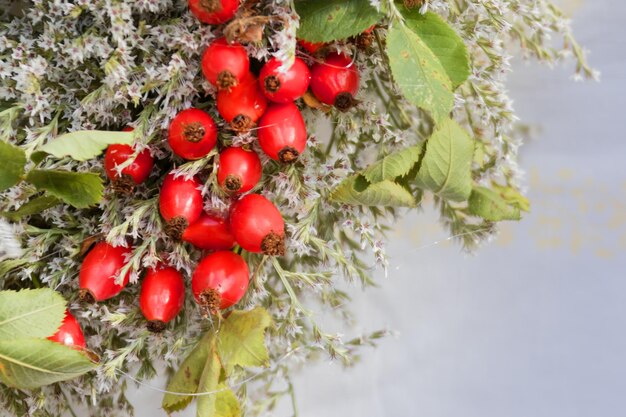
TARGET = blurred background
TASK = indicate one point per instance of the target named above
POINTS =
(533, 323)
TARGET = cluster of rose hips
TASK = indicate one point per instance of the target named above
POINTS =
(245, 101)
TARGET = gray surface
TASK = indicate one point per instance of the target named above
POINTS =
(533, 325)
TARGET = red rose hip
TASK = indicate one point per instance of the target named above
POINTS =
(335, 81)
(220, 281)
(243, 105)
(214, 12)
(239, 170)
(257, 225)
(282, 132)
(99, 270)
(137, 172)
(210, 232)
(180, 204)
(225, 64)
(311, 47)
(70, 334)
(162, 296)
(284, 86)
(192, 134)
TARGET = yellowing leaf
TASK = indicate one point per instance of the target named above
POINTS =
(356, 190)
(241, 340)
(442, 40)
(187, 378)
(419, 73)
(209, 380)
(491, 206)
(226, 403)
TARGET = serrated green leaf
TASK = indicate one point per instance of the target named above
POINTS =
(490, 205)
(209, 380)
(187, 378)
(394, 165)
(357, 190)
(12, 162)
(241, 341)
(78, 189)
(34, 206)
(446, 166)
(329, 20)
(418, 72)
(85, 144)
(442, 40)
(33, 363)
(30, 313)
(226, 403)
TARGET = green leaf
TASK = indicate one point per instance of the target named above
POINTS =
(329, 20)
(357, 190)
(395, 165)
(442, 40)
(32, 363)
(78, 189)
(34, 206)
(241, 340)
(12, 162)
(226, 403)
(30, 313)
(513, 197)
(418, 72)
(85, 144)
(446, 166)
(209, 380)
(491, 206)
(187, 378)
(9, 265)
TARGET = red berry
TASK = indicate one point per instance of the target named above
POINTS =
(220, 281)
(137, 172)
(225, 65)
(98, 272)
(243, 105)
(239, 170)
(70, 334)
(284, 86)
(214, 12)
(162, 296)
(311, 47)
(258, 225)
(192, 134)
(335, 81)
(210, 232)
(180, 203)
(282, 132)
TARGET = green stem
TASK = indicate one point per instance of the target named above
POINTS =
(331, 142)
(294, 403)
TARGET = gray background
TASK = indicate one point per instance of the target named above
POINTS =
(533, 324)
